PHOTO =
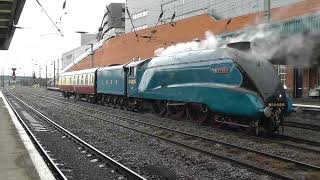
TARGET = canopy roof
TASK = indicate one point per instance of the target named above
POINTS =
(10, 11)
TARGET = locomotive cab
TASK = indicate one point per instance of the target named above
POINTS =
(134, 72)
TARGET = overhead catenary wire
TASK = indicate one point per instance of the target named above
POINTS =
(155, 27)
(55, 25)
(134, 29)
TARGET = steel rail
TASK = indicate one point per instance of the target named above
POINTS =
(299, 125)
(305, 165)
(128, 173)
(52, 166)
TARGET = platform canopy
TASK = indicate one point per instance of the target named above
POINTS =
(10, 11)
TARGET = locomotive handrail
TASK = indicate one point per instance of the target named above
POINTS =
(309, 106)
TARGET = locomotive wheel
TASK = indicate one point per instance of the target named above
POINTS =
(77, 97)
(159, 108)
(177, 112)
(108, 100)
(197, 113)
(122, 103)
(217, 124)
(270, 126)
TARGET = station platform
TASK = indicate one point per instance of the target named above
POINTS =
(18, 157)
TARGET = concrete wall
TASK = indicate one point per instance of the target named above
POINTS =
(113, 20)
(70, 56)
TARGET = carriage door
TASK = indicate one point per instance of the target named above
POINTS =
(298, 82)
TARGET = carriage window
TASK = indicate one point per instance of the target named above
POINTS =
(81, 79)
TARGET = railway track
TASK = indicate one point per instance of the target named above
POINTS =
(292, 142)
(116, 170)
(209, 146)
(306, 126)
(305, 107)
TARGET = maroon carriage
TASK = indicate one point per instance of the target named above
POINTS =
(80, 84)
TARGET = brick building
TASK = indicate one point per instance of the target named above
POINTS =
(290, 16)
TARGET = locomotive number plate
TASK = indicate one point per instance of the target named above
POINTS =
(276, 104)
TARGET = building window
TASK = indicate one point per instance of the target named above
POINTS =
(282, 72)
(139, 28)
(140, 14)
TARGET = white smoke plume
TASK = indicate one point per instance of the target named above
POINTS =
(298, 50)
(210, 42)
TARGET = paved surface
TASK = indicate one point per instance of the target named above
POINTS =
(15, 162)
(307, 101)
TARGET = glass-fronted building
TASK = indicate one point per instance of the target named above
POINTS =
(146, 14)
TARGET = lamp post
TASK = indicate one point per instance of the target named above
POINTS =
(54, 73)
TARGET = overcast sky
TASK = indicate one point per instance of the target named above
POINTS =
(39, 43)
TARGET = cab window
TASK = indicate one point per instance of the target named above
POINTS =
(132, 71)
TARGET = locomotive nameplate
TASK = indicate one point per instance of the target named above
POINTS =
(221, 70)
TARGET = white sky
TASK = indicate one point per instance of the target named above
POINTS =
(37, 44)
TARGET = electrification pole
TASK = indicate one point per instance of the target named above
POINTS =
(54, 73)
(58, 71)
(267, 10)
(91, 46)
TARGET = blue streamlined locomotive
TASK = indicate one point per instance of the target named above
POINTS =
(222, 86)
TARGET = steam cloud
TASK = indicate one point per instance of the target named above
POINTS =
(297, 50)
(210, 42)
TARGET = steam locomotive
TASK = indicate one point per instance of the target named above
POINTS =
(216, 87)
